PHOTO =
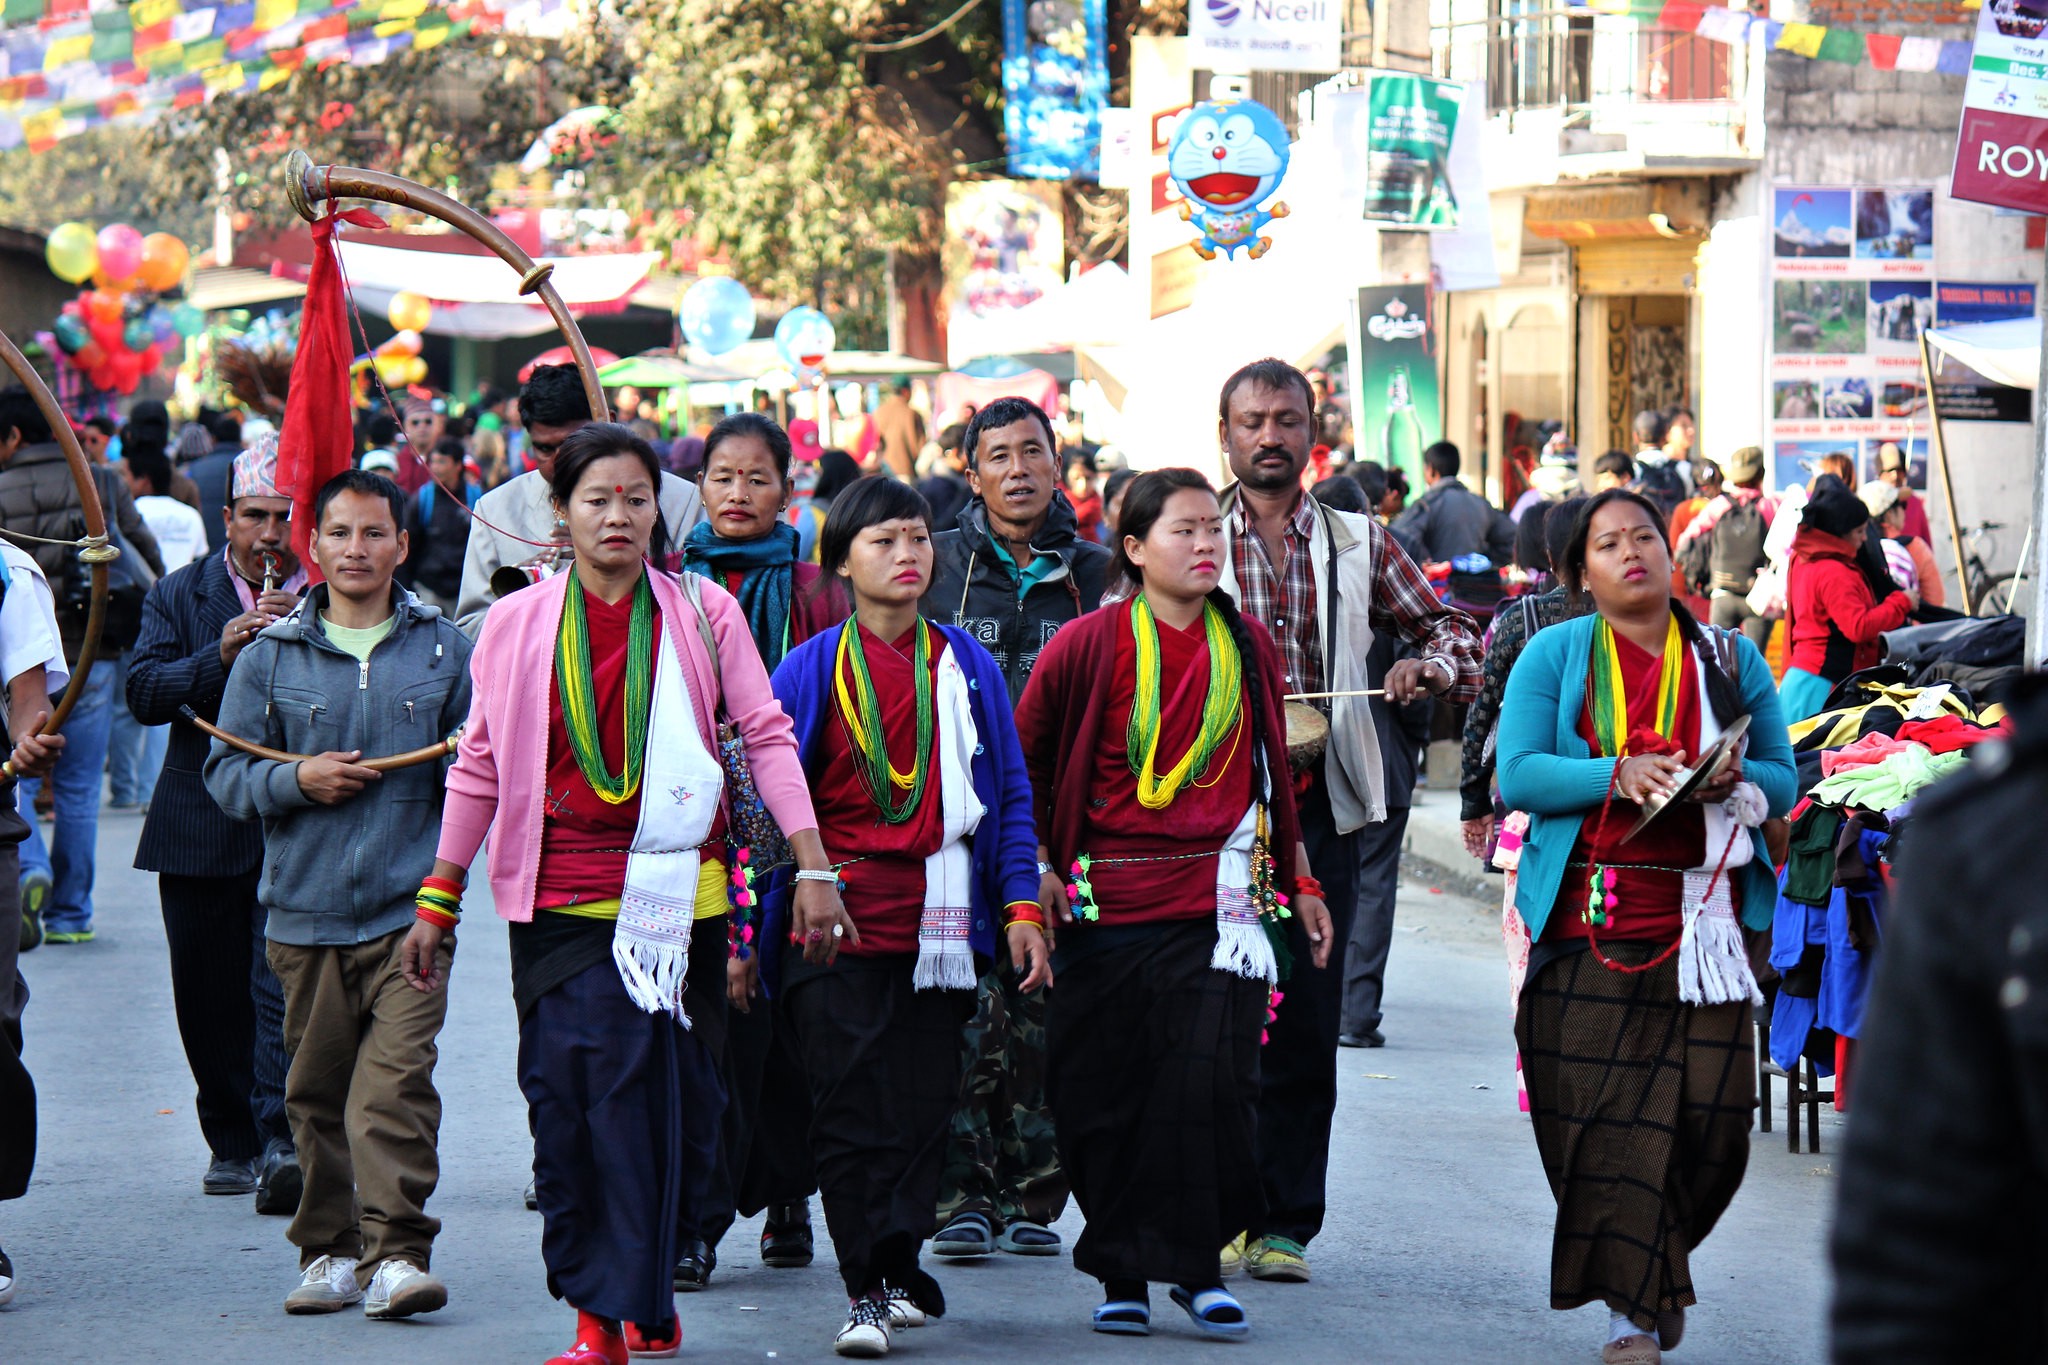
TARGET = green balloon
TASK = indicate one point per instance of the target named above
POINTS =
(188, 319)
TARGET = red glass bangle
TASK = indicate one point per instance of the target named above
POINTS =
(1024, 912)
(439, 919)
(1305, 885)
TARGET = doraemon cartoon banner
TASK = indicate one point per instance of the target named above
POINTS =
(1227, 159)
(1055, 83)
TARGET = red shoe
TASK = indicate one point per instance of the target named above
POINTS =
(596, 1344)
(647, 1343)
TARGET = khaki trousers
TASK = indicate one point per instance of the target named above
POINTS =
(360, 1096)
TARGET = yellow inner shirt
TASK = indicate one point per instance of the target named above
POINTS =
(711, 900)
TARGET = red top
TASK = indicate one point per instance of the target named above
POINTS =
(1063, 719)
(1649, 904)
(885, 889)
(584, 838)
(1834, 619)
(1203, 814)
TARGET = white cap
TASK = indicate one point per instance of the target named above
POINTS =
(381, 460)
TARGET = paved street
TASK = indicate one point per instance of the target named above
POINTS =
(1436, 1251)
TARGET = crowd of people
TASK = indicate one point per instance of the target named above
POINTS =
(848, 757)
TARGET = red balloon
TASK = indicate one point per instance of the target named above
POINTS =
(102, 375)
(152, 358)
(90, 356)
(108, 335)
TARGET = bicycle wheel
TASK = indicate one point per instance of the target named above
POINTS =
(1995, 596)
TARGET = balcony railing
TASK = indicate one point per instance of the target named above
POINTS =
(1608, 74)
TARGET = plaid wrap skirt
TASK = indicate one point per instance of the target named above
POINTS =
(1642, 1107)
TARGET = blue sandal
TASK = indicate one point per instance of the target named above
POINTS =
(1214, 1311)
(1125, 1318)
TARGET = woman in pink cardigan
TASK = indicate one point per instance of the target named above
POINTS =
(591, 746)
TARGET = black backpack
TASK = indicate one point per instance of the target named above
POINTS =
(1661, 484)
(1736, 547)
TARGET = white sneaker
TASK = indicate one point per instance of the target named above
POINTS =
(866, 1334)
(400, 1289)
(903, 1313)
(326, 1286)
(9, 1281)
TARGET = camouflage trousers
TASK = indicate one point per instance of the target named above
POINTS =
(1000, 1157)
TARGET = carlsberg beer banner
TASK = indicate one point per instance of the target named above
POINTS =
(1410, 123)
(1267, 35)
(1394, 378)
(2002, 153)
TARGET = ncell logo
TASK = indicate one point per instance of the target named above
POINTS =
(1224, 12)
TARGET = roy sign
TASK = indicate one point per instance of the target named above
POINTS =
(2002, 148)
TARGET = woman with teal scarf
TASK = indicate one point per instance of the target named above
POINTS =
(745, 545)
(1634, 1021)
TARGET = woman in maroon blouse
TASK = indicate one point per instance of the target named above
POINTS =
(1152, 730)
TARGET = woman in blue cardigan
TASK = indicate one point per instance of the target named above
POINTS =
(1634, 1022)
(906, 736)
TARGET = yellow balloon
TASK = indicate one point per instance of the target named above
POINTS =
(409, 312)
(73, 252)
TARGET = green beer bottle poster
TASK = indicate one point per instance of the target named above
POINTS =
(1396, 409)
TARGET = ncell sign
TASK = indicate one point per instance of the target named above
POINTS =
(2002, 152)
(1266, 35)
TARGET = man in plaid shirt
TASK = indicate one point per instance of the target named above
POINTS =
(1324, 583)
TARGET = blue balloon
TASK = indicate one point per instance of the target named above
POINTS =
(803, 339)
(717, 314)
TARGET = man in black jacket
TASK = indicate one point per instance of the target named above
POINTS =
(1011, 575)
(1937, 1244)
(1013, 571)
(195, 624)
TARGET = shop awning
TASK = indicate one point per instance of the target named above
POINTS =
(214, 287)
(478, 296)
(662, 372)
(2009, 352)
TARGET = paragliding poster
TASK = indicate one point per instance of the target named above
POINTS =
(1852, 287)
(1055, 83)
(1410, 122)
(1397, 412)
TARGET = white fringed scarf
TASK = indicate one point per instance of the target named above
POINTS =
(945, 957)
(680, 786)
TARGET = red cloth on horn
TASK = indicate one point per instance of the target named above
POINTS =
(318, 438)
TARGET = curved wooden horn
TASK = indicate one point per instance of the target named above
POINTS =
(307, 185)
(97, 553)
(382, 765)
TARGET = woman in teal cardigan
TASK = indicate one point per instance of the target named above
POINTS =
(1634, 1021)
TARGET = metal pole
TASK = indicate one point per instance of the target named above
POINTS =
(1948, 487)
(2038, 542)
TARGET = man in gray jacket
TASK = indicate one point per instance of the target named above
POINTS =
(360, 668)
(1449, 519)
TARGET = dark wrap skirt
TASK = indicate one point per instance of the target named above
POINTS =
(1153, 1075)
(625, 1109)
(884, 1065)
(1642, 1107)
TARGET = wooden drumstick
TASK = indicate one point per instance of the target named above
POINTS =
(1313, 696)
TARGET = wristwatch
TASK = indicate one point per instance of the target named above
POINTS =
(1043, 868)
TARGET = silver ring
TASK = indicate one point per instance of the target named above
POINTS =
(839, 931)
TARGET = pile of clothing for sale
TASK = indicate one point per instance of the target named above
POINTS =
(1862, 764)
